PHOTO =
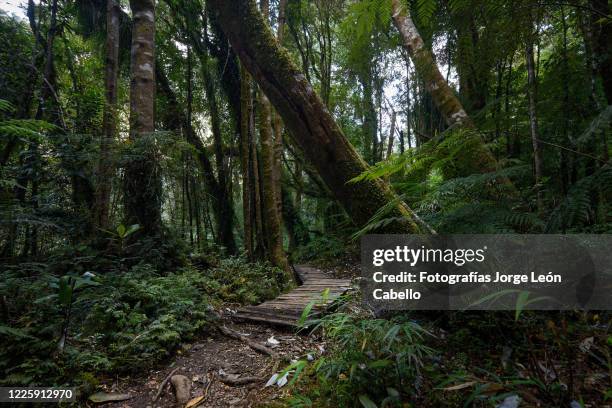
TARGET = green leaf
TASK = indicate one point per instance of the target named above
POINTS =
(10, 331)
(132, 229)
(306, 312)
(65, 290)
(366, 402)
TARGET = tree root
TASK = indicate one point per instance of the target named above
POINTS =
(237, 382)
(163, 384)
(252, 344)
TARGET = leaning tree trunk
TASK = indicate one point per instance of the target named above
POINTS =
(142, 180)
(449, 106)
(443, 96)
(307, 118)
(105, 169)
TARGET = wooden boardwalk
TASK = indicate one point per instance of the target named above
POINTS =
(286, 309)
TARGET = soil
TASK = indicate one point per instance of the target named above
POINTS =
(206, 361)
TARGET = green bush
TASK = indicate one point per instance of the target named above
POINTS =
(373, 362)
(114, 318)
(234, 280)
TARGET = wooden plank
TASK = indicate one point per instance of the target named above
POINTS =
(287, 308)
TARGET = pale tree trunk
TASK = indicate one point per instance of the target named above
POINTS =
(481, 160)
(142, 180)
(105, 165)
(306, 117)
(533, 120)
(443, 96)
(270, 182)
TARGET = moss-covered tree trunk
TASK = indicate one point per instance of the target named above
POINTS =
(443, 96)
(142, 197)
(306, 117)
(225, 225)
(480, 159)
(246, 106)
(111, 70)
(270, 180)
(278, 122)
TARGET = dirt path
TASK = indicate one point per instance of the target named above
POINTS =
(205, 362)
(202, 361)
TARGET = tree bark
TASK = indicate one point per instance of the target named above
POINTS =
(246, 106)
(602, 36)
(105, 166)
(142, 179)
(391, 135)
(270, 181)
(225, 227)
(443, 96)
(481, 160)
(307, 118)
(278, 123)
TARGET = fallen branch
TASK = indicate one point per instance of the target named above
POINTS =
(252, 344)
(236, 382)
(163, 383)
(212, 378)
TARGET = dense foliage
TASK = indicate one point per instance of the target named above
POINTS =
(140, 190)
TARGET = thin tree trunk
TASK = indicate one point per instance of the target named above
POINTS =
(225, 228)
(306, 117)
(105, 165)
(256, 205)
(369, 124)
(142, 179)
(391, 134)
(533, 120)
(222, 209)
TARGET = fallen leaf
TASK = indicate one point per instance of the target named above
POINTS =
(194, 402)
(283, 380)
(511, 401)
(586, 344)
(272, 342)
(460, 386)
(272, 380)
(100, 397)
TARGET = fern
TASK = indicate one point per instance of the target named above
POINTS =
(577, 210)
(425, 10)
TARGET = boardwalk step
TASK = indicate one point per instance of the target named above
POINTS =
(287, 308)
